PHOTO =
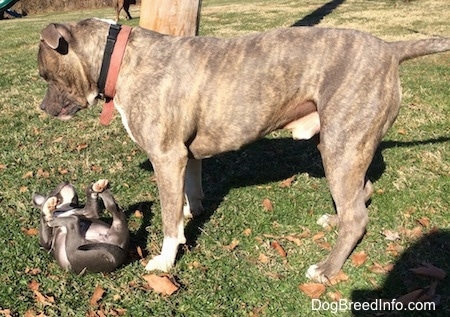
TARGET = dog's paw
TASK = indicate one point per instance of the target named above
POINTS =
(328, 220)
(49, 208)
(100, 185)
(159, 263)
(316, 274)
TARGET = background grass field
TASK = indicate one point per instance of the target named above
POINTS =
(228, 267)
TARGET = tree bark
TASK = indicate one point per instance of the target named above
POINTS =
(173, 17)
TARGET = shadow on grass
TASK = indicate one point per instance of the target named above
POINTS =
(139, 237)
(266, 161)
(433, 248)
(317, 16)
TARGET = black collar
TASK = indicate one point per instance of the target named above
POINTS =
(114, 30)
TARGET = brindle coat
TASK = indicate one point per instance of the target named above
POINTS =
(183, 99)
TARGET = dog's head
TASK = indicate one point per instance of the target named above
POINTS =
(68, 60)
(65, 194)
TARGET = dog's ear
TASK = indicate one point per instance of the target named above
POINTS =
(38, 200)
(57, 36)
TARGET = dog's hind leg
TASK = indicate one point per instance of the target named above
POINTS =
(347, 150)
(193, 189)
(170, 168)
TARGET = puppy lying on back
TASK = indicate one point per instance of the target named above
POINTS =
(76, 237)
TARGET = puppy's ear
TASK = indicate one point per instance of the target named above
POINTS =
(38, 200)
(57, 36)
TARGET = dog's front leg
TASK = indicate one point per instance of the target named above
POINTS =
(170, 170)
(193, 189)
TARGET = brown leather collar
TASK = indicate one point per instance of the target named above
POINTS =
(118, 51)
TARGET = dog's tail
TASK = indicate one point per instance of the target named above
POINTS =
(416, 48)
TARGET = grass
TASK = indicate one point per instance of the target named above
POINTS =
(411, 174)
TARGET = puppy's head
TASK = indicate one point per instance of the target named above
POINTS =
(65, 62)
(65, 194)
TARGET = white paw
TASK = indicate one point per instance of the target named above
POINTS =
(312, 272)
(160, 263)
(100, 185)
(327, 220)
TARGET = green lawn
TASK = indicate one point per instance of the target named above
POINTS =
(411, 174)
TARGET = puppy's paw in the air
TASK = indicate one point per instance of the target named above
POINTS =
(100, 185)
(159, 263)
(49, 208)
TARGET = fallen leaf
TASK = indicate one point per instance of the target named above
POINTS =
(324, 245)
(339, 277)
(263, 258)
(23, 189)
(30, 231)
(28, 174)
(267, 204)
(138, 214)
(429, 270)
(358, 258)
(33, 285)
(312, 290)
(394, 249)
(294, 239)
(414, 233)
(232, 245)
(81, 146)
(377, 268)
(41, 173)
(97, 295)
(288, 181)
(401, 131)
(58, 139)
(5, 312)
(247, 232)
(161, 284)
(424, 221)
(318, 235)
(391, 235)
(335, 296)
(278, 248)
(34, 271)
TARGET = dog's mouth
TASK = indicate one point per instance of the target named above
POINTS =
(68, 111)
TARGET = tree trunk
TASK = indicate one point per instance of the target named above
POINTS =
(173, 17)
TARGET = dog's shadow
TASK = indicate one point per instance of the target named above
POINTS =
(265, 161)
(433, 248)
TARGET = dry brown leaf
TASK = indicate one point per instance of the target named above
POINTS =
(267, 204)
(402, 131)
(34, 271)
(294, 239)
(33, 285)
(410, 297)
(232, 245)
(335, 296)
(28, 174)
(288, 181)
(138, 214)
(339, 277)
(312, 290)
(318, 235)
(58, 139)
(424, 221)
(391, 235)
(81, 146)
(42, 174)
(247, 232)
(359, 258)
(23, 189)
(161, 284)
(429, 270)
(5, 312)
(30, 231)
(97, 295)
(394, 249)
(324, 245)
(263, 258)
(276, 245)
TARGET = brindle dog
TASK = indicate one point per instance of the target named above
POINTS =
(183, 99)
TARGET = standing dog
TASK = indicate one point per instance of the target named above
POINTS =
(183, 99)
(75, 235)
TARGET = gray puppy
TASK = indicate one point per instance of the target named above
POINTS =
(183, 99)
(75, 235)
